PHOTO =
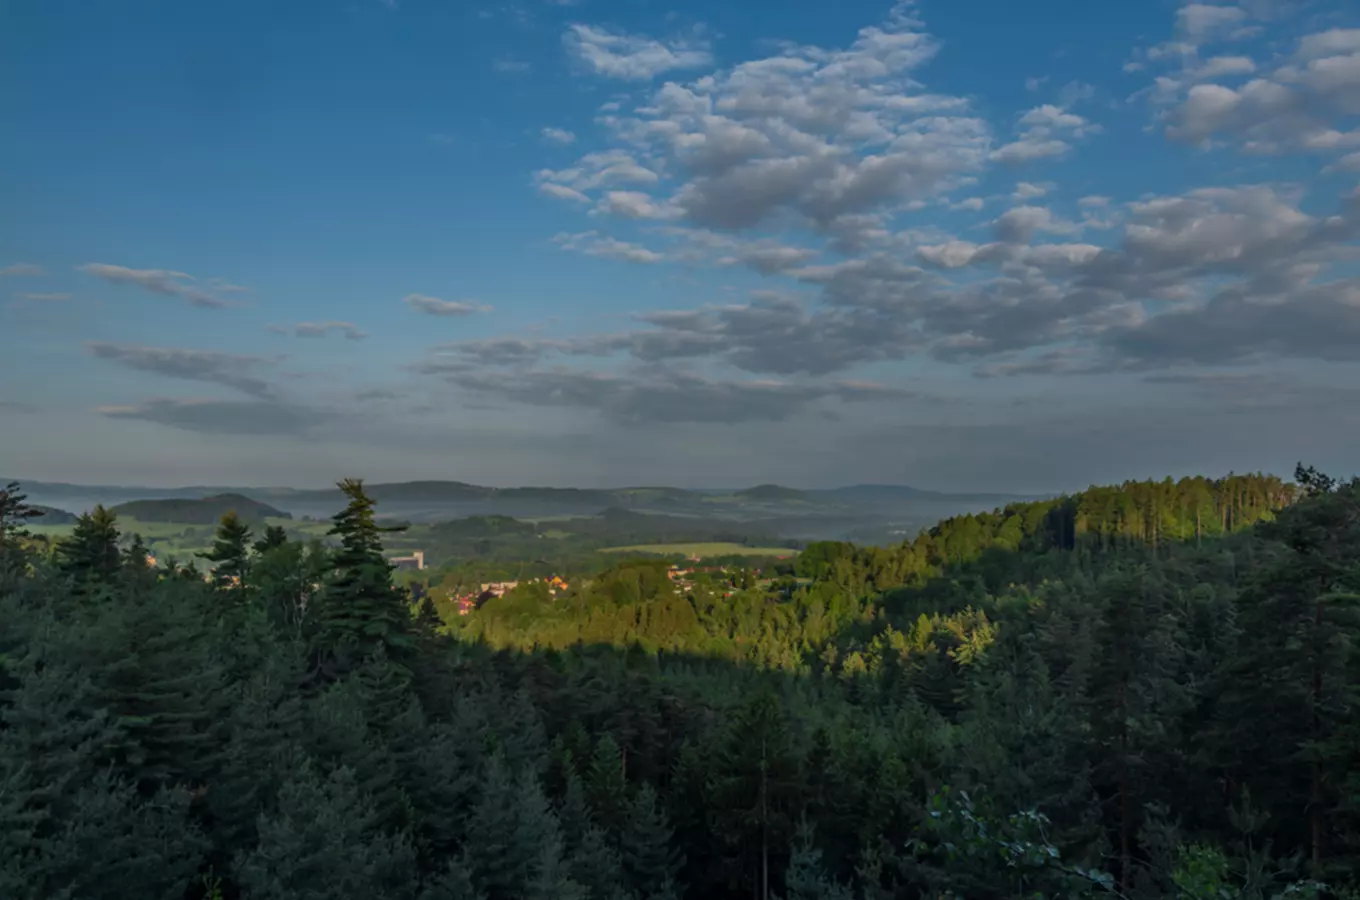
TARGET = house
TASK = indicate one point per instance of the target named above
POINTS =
(415, 561)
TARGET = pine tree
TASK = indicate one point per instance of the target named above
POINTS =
(650, 859)
(605, 784)
(264, 736)
(90, 555)
(323, 841)
(755, 789)
(230, 552)
(806, 879)
(115, 844)
(451, 883)
(14, 513)
(511, 826)
(361, 611)
(274, 537)
(162, 677)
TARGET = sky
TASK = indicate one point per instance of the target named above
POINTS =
(965, 246)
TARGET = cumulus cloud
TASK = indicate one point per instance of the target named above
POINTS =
(433, 306)
(615, 54)
(226, 369)
(560, 136)
(158, 281)
(1044, 131)
(350, 331)
(1289, 103)
(1198, 22)
(827, 136)
(592, 243)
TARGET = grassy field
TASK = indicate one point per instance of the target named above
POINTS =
(703, 550)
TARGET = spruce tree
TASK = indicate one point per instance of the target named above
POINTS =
(361, 610)
(755, 789)
(511, 827)
(605, 784)
(90, 555)
(274, 536)
(323, 841)
(14, 513)
(806, 879)
(230, 552)
(651, 860)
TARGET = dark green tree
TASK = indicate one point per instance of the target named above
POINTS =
(274, 537)
(90, 555)
(361, 611)
(651, 860)
(322, 842)
(230, 552)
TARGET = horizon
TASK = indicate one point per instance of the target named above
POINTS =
(596, 243)
(373, 482)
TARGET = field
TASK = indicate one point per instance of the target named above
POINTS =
(703, 550)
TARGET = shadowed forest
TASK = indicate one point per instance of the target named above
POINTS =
(1141, 691)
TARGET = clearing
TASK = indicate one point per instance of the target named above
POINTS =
(702, 550)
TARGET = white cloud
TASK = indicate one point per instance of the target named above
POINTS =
(559, 136)
(157, 281)
(634, 205)
(1025, 190)
(826, 135)
(1291, 104)
(1029, 149)
(562, 192)
(603, 169)
(1045, 132)
(350, 331)
(592, 243)
(434, 306)
(1222, 66)
(1200, 21)
(632, 57)
(1348, 163)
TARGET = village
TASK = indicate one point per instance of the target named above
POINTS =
(466, 603)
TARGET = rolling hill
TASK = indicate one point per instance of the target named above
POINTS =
(202, 511)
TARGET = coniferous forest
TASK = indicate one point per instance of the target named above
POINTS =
(1150, 690)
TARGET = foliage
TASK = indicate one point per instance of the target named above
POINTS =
(1149, 691)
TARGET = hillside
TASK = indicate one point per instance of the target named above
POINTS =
(1113, 694)
(773, 493)
(203, 511)
(53, 516)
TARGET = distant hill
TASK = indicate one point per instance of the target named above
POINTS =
(773, 493)
(900, 493)
(204, 511)
(52, 516)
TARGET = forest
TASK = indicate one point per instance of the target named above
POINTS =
(1147, 690)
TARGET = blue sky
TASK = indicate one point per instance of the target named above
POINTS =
(971, 246)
